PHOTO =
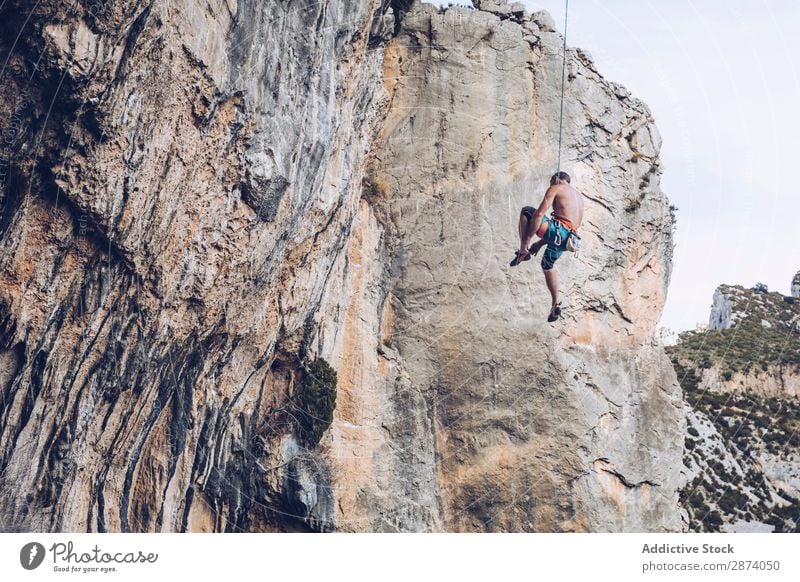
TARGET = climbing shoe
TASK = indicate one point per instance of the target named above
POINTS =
(518, 258)
(555, 313)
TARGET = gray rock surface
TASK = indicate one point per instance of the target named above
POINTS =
(499, 7)
(544, 20)
(796, 285)
(571, 427)
(199, 198)
(722, 314)
(166, 250)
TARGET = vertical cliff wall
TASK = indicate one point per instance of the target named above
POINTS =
(180, 190)
(573, 426)
(201, 199)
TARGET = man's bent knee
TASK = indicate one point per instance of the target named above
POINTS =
(549, 259)
(528, 211)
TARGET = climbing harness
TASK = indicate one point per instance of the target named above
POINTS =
(573, 242)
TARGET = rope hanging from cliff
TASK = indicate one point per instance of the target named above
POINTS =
(563, 77)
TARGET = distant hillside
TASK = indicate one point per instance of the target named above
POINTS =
(741, 381)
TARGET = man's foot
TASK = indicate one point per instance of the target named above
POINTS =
(519, 257)
(555, 312)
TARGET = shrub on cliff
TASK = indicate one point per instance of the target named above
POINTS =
(316, 401)
(376, 188)
(714, 519)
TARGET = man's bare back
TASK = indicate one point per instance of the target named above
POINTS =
(568, 204)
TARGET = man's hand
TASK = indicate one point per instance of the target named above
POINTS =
(536, 247)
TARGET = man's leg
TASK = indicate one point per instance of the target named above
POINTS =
(525, 235)
(525, 229)
(551, 279)
(551, 255)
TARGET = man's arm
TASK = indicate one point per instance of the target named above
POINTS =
(547, 202)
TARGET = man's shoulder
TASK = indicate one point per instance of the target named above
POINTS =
(565, 189)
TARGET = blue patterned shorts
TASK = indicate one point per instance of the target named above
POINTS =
(556, 236)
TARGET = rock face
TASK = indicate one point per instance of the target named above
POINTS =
(201, 199)
(721, 316)
(538, 427)
(796, 285)
(179, 203)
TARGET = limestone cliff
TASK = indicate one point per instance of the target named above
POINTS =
(201, 200)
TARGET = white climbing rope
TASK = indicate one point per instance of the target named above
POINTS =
(563, 77)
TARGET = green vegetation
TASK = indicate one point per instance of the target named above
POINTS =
(738, 349)
(764, 336)
(316, 401)
(765, 333)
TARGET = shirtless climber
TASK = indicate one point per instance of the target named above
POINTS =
(567, 216)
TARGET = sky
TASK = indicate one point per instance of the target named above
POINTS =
(722, 79)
